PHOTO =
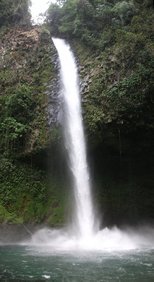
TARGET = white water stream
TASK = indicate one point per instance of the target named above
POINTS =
(83, 221)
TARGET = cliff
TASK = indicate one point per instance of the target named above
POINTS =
(115, 62)
(27, 73)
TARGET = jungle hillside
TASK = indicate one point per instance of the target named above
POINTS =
(114, 49)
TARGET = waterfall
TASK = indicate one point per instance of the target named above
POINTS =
(83, 221)
(85, 234)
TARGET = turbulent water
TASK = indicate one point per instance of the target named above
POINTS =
(29, 264)
(83, 221)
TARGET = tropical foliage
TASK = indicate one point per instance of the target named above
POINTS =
(14, 12)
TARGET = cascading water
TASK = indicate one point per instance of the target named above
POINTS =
(84, 233)
(83, 222)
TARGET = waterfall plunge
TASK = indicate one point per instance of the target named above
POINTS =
(83, 221)
(84, 235)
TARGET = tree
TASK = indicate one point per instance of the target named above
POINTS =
(21, 104)
(87, 19)
(17, 114)
(14, 12)
(124, 10)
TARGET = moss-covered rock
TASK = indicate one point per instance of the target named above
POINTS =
(117, 82)
(26, 71)
(26, 195)
(27, 74)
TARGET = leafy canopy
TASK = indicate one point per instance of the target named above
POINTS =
(82, 17)
(14, 12)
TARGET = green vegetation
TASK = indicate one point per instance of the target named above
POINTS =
(92, 22)
(24, 75)
(27, 196)
(14, 12)
(114, 43)
(122, 80)
(17, 113)
(26, 70)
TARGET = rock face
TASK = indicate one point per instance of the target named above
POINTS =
(29, 107)
(116, 89)
(118, 108)
(17, 49)
(54, 96)
(28, 66)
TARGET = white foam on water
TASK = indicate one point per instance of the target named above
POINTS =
(104, 240)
